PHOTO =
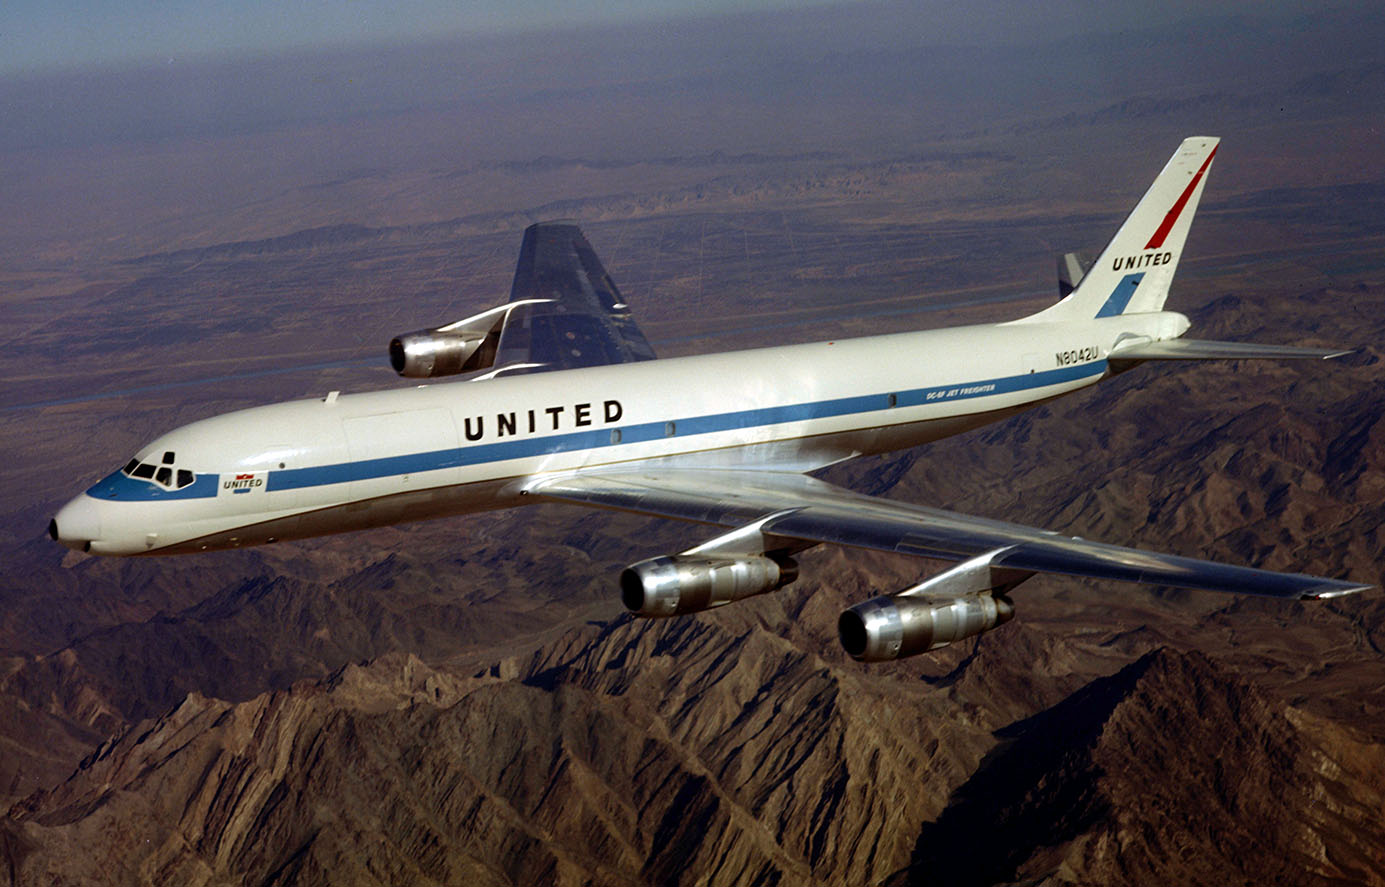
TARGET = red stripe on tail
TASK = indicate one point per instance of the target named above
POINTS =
(1172, 216)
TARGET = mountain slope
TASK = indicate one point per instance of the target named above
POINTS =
(711, 751)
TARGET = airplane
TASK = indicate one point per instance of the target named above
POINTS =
(558, 397)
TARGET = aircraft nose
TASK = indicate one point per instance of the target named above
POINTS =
(76, 524)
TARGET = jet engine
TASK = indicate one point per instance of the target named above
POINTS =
(955, 604)
(671, 586)
(462, 347)
(895, 626)
(428, 353)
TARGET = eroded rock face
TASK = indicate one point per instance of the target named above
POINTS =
(705, 751)
(1169, 771)
(648, 754)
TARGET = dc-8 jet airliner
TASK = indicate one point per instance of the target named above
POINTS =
(558, 398)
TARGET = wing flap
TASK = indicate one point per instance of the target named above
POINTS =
(803, 508)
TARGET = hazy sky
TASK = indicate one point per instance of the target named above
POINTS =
(41, 35)
(38, 34)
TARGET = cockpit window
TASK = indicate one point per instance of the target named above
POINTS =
(164, 475)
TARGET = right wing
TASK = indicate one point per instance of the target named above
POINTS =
(796, 507)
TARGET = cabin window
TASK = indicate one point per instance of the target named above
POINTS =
(893, 400)
(615, 435)
(670, 429)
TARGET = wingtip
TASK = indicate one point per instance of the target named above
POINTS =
(1336, 590)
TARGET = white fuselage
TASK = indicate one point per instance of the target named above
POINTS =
(311, 467)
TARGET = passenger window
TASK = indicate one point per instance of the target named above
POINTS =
(184, 477)
(144, 470)
(164, 475)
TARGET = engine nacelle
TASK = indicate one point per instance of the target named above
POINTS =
(427, 353)
(896, 626)
(670, 586)
(464, 346)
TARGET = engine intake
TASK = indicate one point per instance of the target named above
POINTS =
(671, 586)
(895, 626)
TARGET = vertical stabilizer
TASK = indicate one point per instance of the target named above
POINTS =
(1134, 271)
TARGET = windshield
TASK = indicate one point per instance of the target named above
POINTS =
(166, 474)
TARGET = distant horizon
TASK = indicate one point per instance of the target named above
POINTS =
(39, 39)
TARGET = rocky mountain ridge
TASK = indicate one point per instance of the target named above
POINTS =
(708, 750)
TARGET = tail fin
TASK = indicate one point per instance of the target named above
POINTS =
(1133, 273)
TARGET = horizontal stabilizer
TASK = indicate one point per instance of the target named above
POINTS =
(1072, 267)
(1200, 349)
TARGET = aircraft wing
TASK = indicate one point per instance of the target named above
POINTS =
(570, 313)
(803, 508)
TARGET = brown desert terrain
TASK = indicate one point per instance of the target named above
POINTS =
(465, 701)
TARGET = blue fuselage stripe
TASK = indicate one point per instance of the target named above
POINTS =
(120, 487)
(414, 463)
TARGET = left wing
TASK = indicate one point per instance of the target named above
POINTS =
(792, 506)
(568, 312)
(564, 312)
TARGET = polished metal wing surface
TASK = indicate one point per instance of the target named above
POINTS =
(570, 313)
(803, 508)
(1199, 349)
